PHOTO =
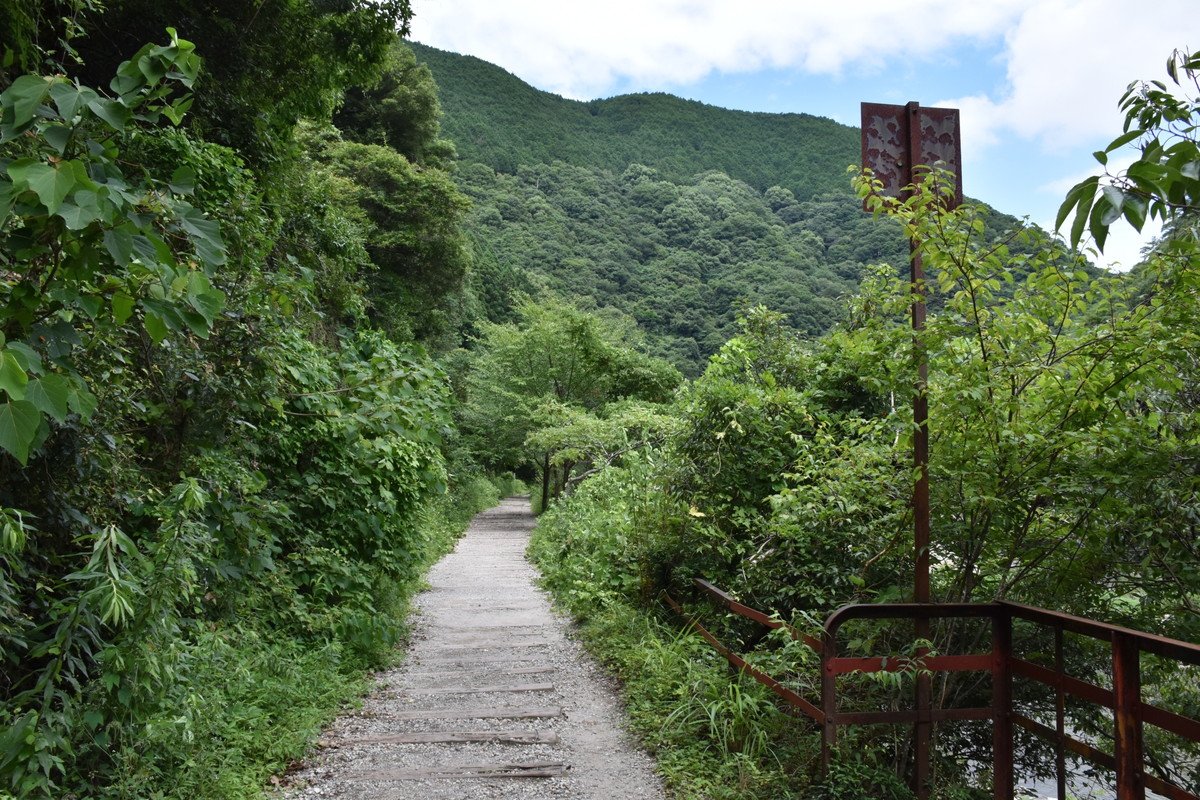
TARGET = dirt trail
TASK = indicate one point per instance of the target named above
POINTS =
(494, 700)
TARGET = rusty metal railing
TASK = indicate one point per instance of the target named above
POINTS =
(1131, 712)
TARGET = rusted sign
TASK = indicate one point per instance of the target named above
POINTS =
(895, 138)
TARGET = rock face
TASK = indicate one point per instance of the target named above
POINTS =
(493, 701)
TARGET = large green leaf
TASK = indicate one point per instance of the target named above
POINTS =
(13, 378)
(20, 102)
(81, 213)
(79, 398)
(19, 423)
(49, 393)
(204, 233)
(122, 307)
(51, 182)
(68, 99)
(111, 111)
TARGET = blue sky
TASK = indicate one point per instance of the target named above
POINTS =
(1037, 81)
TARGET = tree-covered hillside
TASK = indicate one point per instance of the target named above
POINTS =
(497, 119)
(680, 257)
(674, 212)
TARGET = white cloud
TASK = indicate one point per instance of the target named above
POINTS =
(1069, 61)
(581, 49)
(1065, 63)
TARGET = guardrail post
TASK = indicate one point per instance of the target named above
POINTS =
(1002, 733)
(1127, 717)
(828, 698)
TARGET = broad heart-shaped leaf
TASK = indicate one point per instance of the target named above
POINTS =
(203, 297)
(197, 323)
(20, 101)
(79, 398)
(13, 379)
(49, 393)
(19, 423)
(58, 136)
(68, 98)
(119, 243)
(122, 307)
(114, 113)
(204, 233)
(156, 327)
(183, 180)
(27, 357)
(52, 183)
(81, 213)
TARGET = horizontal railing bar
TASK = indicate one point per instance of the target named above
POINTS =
(736, 660)
(1098, 757)
(905, 717)
(1057, 680)
(909, 611)
(1171, 722)
(842, 665)
(1168, 790)
(1146, 642)
(756, 615)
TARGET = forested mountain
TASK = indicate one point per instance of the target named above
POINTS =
(672, 211)
(497, 119)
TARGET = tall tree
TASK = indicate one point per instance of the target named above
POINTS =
(555, 361)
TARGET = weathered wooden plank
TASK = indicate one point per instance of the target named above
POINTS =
(452, 673)
(466, 660)
(485, 628)
(544, 769)
(524, 687)
(490, 645)
(440, 737)
(478, 713)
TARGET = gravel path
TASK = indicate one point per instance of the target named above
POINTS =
(491, 666)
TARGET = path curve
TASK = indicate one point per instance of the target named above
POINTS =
(494, 700)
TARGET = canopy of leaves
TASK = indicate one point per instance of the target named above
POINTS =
(1164, 181)
(270, 63)
(557, 367)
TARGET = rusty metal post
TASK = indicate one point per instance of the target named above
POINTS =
(1002, 734)
(1060, 717)
(895, 140)
(1127, 717)
(828, 699)
(923, 728)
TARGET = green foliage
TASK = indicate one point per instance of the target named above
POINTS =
(713, 734)
(400, 110)
(596, 550)
(1164, 181)
(280, 61)
(85, 246)
(40, 35)
(215, 499)
(677, 257)
(496, 119)
(413, 238)
(1062, 411)
(561, 371)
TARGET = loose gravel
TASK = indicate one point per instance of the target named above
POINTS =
(489, 660)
